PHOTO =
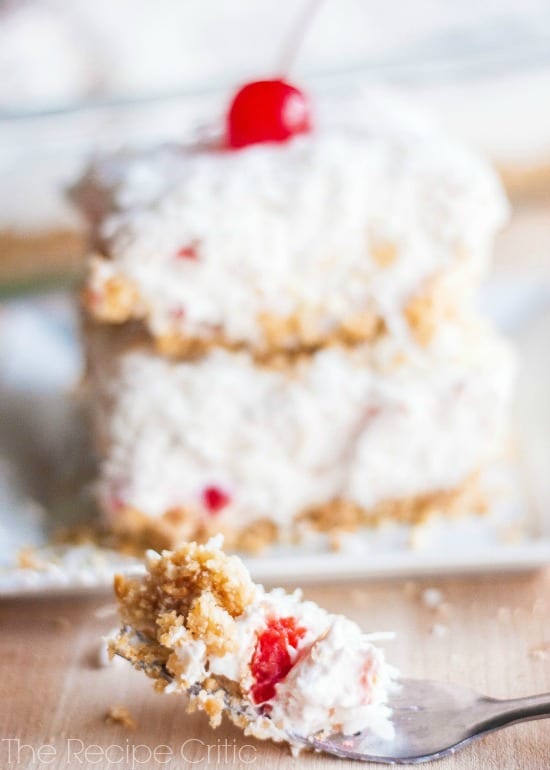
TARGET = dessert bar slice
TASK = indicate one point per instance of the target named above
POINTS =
(326, 442)
(277, 665)
(373, 222)
(280, 322)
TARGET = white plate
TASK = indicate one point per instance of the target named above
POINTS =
(42, 452)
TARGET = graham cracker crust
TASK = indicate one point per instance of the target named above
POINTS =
(285, 340)
(134, 532)
(194, 593)
(346, 516)
(115, 340)
(197, 583)
(303, 332)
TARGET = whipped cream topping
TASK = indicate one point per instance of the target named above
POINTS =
(342, 424)
(355, 216)
(310, 691)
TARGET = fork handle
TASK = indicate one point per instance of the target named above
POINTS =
(507, 712)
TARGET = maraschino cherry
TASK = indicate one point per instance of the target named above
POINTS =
(267, 111)
(271, 660)
(215, 499)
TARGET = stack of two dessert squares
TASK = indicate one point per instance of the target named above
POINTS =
(282, 339)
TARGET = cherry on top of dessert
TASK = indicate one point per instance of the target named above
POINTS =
(267, 111)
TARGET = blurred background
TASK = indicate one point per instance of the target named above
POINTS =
(78, 76)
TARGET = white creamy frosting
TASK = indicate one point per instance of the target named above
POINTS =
(343, 424)
(310, 691)
(192, 657)
(277, 228)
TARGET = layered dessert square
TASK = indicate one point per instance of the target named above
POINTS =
(328, 442)
(278, 666)
(281, 325)
(375, 225)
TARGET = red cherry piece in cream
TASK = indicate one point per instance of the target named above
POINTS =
(267, 111)
(93, 297)
(271, 660)
(215, 499)
(177, 313)
(117, 499)
(188, 252)
(117, 503)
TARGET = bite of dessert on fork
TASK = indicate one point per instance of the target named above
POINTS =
(278, 666)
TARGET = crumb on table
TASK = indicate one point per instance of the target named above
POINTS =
(119, 715)
(432, 598)
(61, 622)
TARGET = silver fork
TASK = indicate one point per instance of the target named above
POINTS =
(430, 719)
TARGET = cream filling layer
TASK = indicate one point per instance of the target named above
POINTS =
(277, 442)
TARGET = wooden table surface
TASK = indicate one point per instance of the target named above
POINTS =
(492, 633)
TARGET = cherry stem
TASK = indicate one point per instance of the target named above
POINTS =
(298, 32)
